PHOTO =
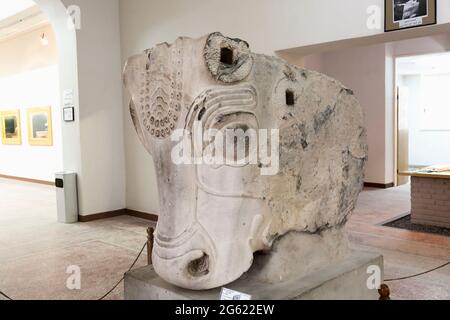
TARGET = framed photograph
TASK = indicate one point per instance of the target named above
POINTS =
(11, 129)
(40, 131)
(404, 14)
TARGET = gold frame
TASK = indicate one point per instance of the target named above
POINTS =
(39, 141)
(11, 141)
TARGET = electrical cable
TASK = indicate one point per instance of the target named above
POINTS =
(419, 274)
(4, 295)
(120, 281)
(113, 288)
(143, 247)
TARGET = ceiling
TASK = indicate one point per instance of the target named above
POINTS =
(10, 8)
(424, 64)
(18, 17)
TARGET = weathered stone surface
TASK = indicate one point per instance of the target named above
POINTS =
(214, 218)
(343, 280)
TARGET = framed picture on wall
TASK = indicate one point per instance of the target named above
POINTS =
(11, 129)
(404, 14)
(40, 131)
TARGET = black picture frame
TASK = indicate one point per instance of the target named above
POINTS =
(69, 114)
(390, 24)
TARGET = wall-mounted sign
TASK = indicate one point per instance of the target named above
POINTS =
(68, 106)
(69, 114)
(404, 14)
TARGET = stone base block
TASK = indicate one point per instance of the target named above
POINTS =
(345, 280)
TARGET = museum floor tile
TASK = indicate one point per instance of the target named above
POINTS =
(405, 252)
(35, 251)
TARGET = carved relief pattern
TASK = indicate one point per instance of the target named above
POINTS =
(214, 217)
(161, 93)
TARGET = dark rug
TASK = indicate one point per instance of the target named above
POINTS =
(405, 223)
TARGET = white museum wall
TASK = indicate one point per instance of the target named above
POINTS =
(426, 147)
(267, 25)
(29, 78)
(102, 168)
(35, 88)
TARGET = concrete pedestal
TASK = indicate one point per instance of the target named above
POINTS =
(344, 280)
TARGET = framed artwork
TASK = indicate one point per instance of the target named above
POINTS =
(405, 14)
(40, 131)
(11, 129)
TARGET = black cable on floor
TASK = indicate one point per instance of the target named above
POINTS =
(113, 288)
(117, 284)
(419, 274)
(2, 294)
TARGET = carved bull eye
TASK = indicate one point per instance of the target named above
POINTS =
(228, 60)
(237, 143)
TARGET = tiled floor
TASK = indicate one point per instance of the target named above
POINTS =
(35, 251)
(405, 252)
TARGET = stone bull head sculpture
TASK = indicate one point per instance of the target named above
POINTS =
(214, 218)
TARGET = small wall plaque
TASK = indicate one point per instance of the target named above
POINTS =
(69, 114)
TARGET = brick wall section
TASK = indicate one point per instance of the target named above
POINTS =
(430, 201)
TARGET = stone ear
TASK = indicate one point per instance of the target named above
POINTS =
(137, 126)
(131, 72)
(228, 60)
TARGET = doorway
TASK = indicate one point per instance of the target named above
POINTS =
(30, 119)
(423, 126)
(38, 63)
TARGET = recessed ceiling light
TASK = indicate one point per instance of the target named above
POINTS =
(44, 40)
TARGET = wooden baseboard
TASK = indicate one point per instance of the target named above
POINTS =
(47, 183)
(103, 215)
(379, 185)
(142, 215)
(117, 213)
